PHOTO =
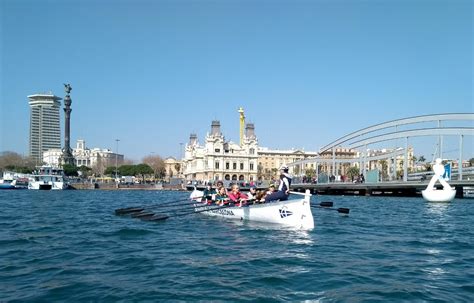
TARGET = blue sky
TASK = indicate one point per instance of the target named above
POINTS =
(306, 72)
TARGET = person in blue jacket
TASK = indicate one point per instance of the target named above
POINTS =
(283, 189)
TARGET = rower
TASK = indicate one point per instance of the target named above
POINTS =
(236, 196)
(221, 197)
(209, 194)
(252, 195)
(283, 191)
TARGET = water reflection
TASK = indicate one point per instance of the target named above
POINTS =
(437, 208)
(283, 234)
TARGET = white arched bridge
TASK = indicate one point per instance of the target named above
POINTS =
(439, 126)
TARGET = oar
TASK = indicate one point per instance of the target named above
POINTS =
(185, 206)
(341, 210)
(147, 213)
(134, 209)
(128, 210)
(194, 205)
(142, 215)
(164, 217)
(326, 204)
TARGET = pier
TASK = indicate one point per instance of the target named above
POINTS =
(398, 189)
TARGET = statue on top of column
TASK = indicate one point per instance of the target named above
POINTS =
(67, 88)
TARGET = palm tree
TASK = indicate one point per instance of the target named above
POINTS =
(260, 172)
(384, 165)
(352, 172)
(310, 173)
(177, 167)
(274, 171)
(296, 170)
(427, 166)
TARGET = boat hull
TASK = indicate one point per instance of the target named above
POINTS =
(291, 213)
(444, 195)
(11, 184)
(7, 186)
(48, 178)
(46, 185)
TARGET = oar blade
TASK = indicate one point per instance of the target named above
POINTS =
(128, 210)
(326, 204)
(343, 210)
(156, 217)
(142, 215)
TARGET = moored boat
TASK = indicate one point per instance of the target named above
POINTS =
(7, 184)
(48, 178)
(12, 180)
(295, 213)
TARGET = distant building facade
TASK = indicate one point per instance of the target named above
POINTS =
(172, 168)
(45, 130)
(340, 153)
(270, 160)
(219, 159)
(96, 158)
(391, 166)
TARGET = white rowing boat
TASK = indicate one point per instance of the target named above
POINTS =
(294, 213)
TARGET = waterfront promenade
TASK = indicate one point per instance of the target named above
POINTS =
(401, 189)
(393, 188)
(113, 186)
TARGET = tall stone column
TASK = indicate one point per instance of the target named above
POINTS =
(67, 157)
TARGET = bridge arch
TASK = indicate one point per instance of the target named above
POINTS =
(381, 132)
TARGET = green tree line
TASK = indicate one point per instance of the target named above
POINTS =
(130, 170)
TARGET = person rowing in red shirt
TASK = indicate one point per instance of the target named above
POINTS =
(236, 196)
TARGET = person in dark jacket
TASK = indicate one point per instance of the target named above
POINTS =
(209, 194)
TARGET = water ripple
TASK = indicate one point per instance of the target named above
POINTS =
(69, 246)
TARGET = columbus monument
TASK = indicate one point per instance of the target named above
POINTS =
(67, 157)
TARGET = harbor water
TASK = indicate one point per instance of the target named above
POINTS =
(69, 246)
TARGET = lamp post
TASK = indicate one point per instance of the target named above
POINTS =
(116, 155)
(153, 162)
(181, 160)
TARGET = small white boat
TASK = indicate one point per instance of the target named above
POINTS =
(294, 213)
(7, 184)
(12, 180)
(48, 178)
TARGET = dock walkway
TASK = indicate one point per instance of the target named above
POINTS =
(403, 189)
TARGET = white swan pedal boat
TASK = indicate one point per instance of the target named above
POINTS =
(295, 213)
(439, 195)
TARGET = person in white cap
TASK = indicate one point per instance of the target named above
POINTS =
(283, 189)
